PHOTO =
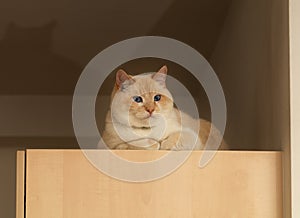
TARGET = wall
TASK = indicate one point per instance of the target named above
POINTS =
(252, 57)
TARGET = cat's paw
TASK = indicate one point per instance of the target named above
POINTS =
(180, 146)
(154, 146)
(144, 144)
(122, 147)
(167, 145)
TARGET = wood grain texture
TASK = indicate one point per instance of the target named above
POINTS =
(62, 183)
(20, 184)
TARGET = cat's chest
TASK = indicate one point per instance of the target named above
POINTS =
(143, 132)
(158, 132)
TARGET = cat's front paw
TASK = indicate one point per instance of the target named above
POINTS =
(122, 147)
(167, 145)
(154, 146)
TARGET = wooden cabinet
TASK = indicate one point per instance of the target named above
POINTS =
(63, 183)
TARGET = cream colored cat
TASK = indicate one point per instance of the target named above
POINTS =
(142, 116)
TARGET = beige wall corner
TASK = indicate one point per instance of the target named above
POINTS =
(295, 104)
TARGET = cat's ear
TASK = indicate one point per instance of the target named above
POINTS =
(123, 79)
(161, 75)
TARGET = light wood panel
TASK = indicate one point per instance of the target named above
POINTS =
(62, 183)
(20, 184)
(294, 10)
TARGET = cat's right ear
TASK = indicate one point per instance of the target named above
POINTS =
(161, 75)
(123, 79)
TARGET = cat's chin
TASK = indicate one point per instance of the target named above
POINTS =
(144, 122)
(144, 117)
(149, 117)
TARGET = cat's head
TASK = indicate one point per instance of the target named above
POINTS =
(138, 99)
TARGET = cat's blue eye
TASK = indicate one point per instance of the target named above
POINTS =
(137, 99)
(157, 97)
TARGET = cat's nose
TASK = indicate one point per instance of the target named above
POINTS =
(150, 111)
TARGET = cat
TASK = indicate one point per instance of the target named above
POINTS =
(142, 116)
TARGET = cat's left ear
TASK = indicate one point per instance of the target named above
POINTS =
(123, 80)
(161, 75)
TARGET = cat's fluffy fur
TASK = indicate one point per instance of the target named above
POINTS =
(151, 124)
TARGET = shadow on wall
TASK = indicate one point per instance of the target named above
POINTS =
(29, 66)
(196, 23)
